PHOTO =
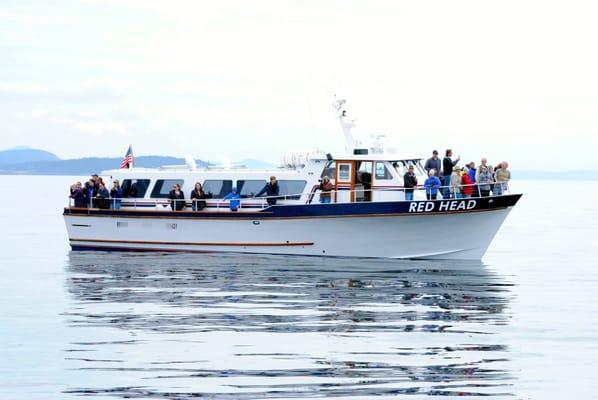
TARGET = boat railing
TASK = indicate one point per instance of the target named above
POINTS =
(340, 195)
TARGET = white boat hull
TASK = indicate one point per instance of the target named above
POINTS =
(425, 236)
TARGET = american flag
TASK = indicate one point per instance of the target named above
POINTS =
(128, 159)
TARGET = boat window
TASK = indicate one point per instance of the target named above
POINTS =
(163, 187)
(291, 188)
(364, 166)
(329, 170)
(381, 171)
(344, 172)
(135, 187)
(217, 188)
(248, 188)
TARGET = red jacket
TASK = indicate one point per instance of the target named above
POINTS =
(466, 180)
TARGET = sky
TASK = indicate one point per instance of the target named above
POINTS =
(509, 80)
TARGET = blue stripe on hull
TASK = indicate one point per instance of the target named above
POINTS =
(420, 207)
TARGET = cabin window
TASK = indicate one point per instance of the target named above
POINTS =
(381, 171)
(329, 170)
(163, 187)
(135, 187)
(291, 188)
(217, 188)
(248, 188)
(344, 172)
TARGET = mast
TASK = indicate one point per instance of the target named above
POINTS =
(346, 125)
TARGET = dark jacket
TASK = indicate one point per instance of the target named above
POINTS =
(447, 165)
(177, 201)
(409, 181)
(269, 190)
(116, 193)
(103, 193)
(79, 198)
(432, 164)
(199, 196)
(198, 199)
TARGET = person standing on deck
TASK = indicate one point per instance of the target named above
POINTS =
(271, 190)
(409, 183)
(177, 198)
(466, 184)
(116, 194)
(432, 184)
(325, 190)
(234, 199)
(485, 181)
(447, 170)
(432, 163)
(503, 175)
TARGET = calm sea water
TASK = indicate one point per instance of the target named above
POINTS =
(523, 323)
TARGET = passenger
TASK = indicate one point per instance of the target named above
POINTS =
(483, 163)
(325, 190)
(116, 194)
(471, 171)
(271, 190)
(447, 170)
(234, 199)
(484, 181)
(455, 183)
(467, 185)
(432, 184)
(432, 163)
(409, 182)
(90, 191)
(177, 198)
(101, 199)
(503, 175)
(78, 196)
(198, 197)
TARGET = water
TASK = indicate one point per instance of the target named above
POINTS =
(521, 324)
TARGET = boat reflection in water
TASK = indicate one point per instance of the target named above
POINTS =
(229, 326)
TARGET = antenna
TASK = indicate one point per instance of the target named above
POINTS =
(346, 124)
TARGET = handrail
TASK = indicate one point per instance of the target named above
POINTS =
(502, 188)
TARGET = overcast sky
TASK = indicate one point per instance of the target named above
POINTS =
(514, 80)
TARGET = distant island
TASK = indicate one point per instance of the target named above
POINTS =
(29, 161)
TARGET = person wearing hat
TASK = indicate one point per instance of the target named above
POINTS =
(455, 183)
(271, 190)
(432, 163)
(234, 199)
(409, 182)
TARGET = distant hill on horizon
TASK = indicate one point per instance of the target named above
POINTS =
(29, 161)
(23, 154)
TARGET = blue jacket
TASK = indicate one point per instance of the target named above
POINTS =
(432, 184)
(471, 173)
(235, 200)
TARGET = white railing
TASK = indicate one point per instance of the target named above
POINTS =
(443, 192)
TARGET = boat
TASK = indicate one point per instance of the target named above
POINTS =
(367, 216)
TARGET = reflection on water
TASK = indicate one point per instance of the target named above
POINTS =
(232, 326)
